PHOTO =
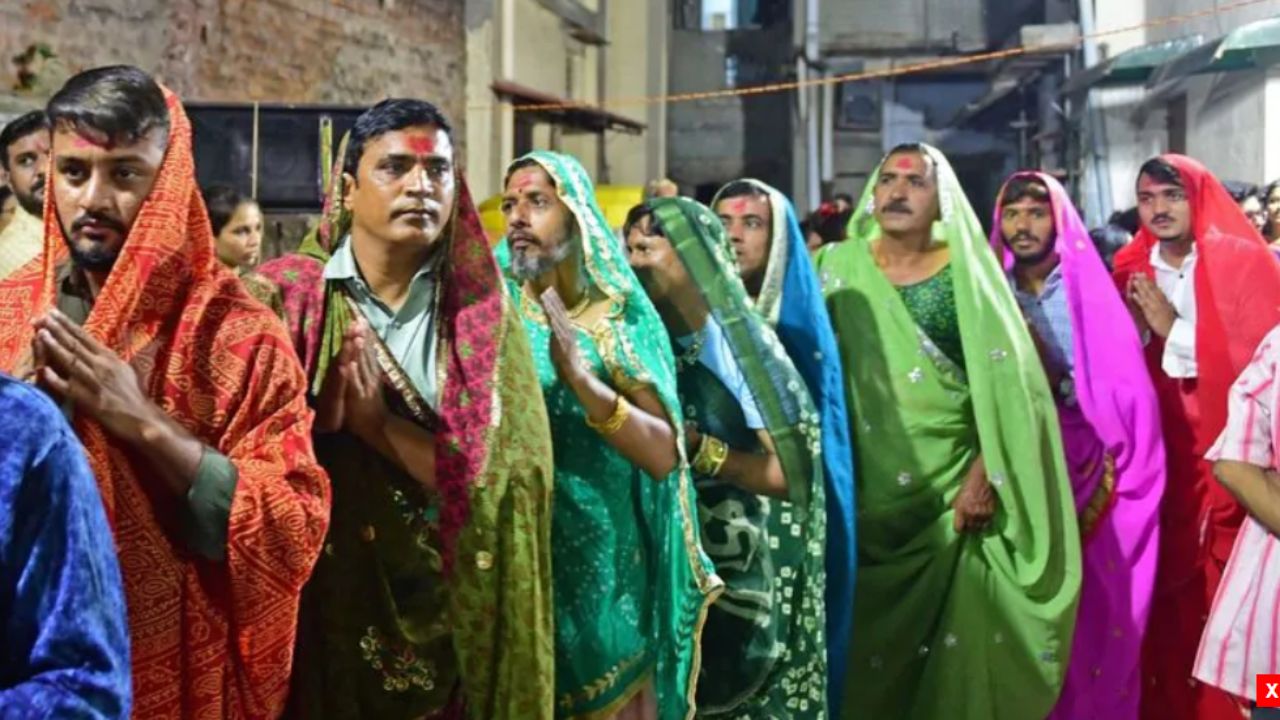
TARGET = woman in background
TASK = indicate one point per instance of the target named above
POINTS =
(237, 231)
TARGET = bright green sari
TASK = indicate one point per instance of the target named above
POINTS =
(768, 628)
(632, 585)
(971, 626)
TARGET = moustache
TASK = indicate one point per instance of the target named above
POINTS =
(38, 185)
(1023, 236)
(898, 206)
(1161, 218)
(98, 219)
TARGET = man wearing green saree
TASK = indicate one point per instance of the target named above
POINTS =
(754, 435)
(968, 552)
(432, 598)
(631, 583)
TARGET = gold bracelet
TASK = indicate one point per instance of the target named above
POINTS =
(711, 456)
(621, 411)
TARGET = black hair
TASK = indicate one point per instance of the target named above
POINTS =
(6, 192)
(1241, 191)
(831, 226)
(845, 197)
(741, 188)
(388, 116)
(1162, 172)
(18, 128)
(1269, 189)
(1126, 220)
(1108, 239)
(221, 201)
(1022, 188)
(522, 164)
(119, 101)
(640, 212)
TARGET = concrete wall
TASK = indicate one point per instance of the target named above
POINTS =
(524, 42)
(711, 142)
(1232, 119)
(862, 26)
(331, 51)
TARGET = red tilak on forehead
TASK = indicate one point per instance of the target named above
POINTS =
(523, 181)
(79, 140)
(422, 144)
(738, 205)
(904, 163)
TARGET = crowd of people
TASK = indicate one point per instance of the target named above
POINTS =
(722, 463)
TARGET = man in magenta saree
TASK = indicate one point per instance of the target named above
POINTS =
(1110, 429)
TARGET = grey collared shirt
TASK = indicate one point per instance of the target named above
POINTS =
(408, 332)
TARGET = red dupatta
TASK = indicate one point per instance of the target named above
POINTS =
(208, 639)
(1237, 286)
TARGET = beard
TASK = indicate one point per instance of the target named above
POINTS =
(92, 256)
(1034, 258)
(525, 267)
(32, 202)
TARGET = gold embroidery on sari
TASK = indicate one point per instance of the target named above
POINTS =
(401, 668)
(1100, 502)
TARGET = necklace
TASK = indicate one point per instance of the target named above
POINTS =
(689, 357)
(581, 305)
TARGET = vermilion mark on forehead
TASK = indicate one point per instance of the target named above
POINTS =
(82, 141)
(522, 181)
(422, 144)
(738, 205)
(905, 163)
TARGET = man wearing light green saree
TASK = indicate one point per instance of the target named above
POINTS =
(632, 585)
(755, 440)
(968, 551)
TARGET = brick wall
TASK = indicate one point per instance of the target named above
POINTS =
(300, 51)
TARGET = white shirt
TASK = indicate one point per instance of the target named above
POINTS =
(1178, 285)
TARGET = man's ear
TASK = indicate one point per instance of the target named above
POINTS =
(348, 188)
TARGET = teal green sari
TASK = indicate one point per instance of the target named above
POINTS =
(971, 626)
(632, 585)
(768, 628)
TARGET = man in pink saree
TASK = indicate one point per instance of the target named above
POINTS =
(1110, 429)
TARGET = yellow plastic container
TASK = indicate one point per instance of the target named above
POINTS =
(615, 200)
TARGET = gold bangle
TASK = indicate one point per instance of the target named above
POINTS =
(621, 411)
(711, 456)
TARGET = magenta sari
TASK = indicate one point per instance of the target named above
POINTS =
(1115, 454)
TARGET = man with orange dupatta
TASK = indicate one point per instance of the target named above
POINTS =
(187, 397)
(1204, 291)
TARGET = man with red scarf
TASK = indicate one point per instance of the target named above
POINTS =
(1204, 291)
(186, 394)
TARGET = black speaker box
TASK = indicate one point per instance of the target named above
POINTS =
(287, 149)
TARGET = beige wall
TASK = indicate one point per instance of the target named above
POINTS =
(523, 42)
(1233, 119)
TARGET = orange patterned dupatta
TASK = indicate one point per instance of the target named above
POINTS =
(209, 639)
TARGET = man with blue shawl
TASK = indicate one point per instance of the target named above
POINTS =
(64, 647)
(779, 278)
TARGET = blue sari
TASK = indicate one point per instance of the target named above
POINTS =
(791, 300)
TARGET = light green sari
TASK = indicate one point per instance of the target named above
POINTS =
(971, 626)
(768, 628)
(632, 585)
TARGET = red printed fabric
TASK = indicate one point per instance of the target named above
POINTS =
(208, 639)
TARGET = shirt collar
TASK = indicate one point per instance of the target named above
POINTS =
(1158, 262)
(1051, 282)
(342, 264)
